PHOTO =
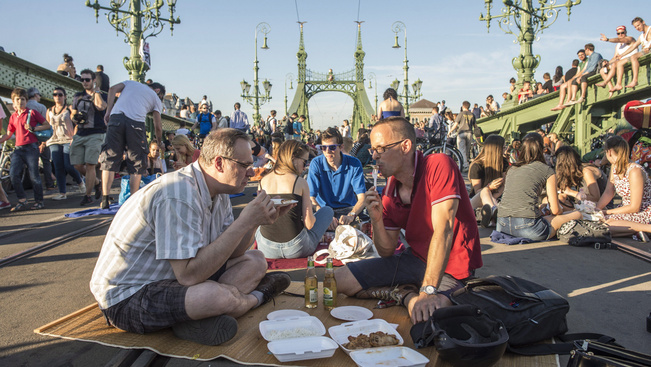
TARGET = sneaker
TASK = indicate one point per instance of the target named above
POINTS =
(82, 188)
(486, 214)
(5, 205)
(60, 197)
(210, 331)
(397, 293)
(38, 206)
(86, 200)
(273, 284)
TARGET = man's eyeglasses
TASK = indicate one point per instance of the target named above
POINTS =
(86, 79)
(382, 149)
(620, 33)
(57, 94)
(331, 147)
(246, 166)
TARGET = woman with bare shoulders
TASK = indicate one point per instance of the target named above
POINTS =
(390, 106)
(297, 233)
(67, 68)
(577, 180)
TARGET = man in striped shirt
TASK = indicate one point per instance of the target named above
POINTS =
(176, 257)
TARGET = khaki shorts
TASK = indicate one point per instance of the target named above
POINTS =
(125, 136)
(86, 149)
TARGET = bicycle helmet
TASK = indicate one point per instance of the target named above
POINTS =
(463, 336)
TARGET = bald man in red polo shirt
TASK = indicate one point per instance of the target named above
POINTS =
(427, 197)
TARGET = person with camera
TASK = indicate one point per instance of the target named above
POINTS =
(88, 108)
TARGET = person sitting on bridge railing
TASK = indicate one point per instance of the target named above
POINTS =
(625, 48)
(176, 244)
(67, 68)
(590, 69)
(525, 93)
(569, 77)
(645, 41)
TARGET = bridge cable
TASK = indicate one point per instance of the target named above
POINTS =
(298, 19)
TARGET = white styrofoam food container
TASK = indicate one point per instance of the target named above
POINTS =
(312, 347)
(286, 328)
(341, 332)
(388, 356)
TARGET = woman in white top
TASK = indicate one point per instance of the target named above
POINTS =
(58, 116)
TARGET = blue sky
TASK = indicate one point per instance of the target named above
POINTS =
(212, 50)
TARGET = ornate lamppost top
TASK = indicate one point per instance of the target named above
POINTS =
(133, 22)
(530, 21)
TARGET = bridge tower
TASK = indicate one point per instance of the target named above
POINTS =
(350, 83)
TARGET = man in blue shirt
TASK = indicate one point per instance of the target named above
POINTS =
(298, 128)
(594, 59)
(336, 180)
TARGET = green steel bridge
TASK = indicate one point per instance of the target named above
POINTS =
(578, 124)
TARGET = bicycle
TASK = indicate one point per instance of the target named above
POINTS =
(439, 144)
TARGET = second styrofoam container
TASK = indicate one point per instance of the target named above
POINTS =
(388, 356)
(341, 332)
(312, 347)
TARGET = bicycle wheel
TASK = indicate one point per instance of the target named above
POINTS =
(450, 151)
(5, 179)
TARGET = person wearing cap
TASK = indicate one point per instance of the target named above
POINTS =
(34, 103)
(643, 41)
(623, 51)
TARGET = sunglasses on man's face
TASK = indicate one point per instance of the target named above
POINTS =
(86, 80)
(331, 147)
(57, 94)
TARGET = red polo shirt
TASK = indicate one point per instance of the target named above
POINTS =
(17, 126)
(436, 178)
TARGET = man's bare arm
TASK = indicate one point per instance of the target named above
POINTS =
(443, 215)
(158, 126)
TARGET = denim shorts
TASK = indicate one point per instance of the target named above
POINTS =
(536, 229)
(404, 268)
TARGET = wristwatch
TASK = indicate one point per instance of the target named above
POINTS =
(429, 290)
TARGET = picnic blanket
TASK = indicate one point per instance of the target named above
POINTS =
(248, 346)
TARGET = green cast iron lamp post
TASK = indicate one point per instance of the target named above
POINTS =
(256, 99)
(396, 28)
(133, 22)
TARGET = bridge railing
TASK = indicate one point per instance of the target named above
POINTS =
(580, 123)
(313, 76)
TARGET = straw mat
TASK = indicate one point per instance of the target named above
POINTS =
(248, 346)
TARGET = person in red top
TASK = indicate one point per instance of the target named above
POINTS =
(26, 152)
(427, 197)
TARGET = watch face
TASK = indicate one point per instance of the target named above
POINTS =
(430, 289)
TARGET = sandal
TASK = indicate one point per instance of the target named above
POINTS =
(20, 206)
(37, 206)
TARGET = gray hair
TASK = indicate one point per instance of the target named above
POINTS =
(220, 143)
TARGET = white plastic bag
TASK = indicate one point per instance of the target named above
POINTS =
(589, 210)
(349, 244)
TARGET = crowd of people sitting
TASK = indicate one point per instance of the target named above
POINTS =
(176, 243)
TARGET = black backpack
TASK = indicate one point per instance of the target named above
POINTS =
(584, 233)
(289, 128)
(530, 312)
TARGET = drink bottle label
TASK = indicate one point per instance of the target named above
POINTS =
(313, 295)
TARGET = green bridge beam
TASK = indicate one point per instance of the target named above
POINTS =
(580, 122)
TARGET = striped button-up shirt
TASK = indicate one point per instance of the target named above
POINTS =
(171, 218)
